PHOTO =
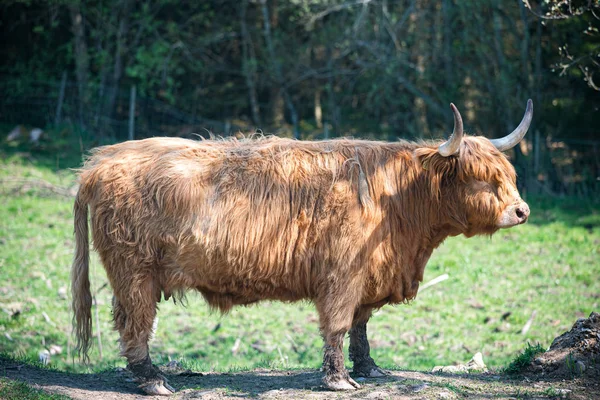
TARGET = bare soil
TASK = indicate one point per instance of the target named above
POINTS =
(569, 369)
(574, 353)
(117, 385)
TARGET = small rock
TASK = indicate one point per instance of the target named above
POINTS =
(12, 309)
(44, 357)
(236, 346)
(273, 392)
(360, 379)
(451, 369)
(55, 349)
(15, 133)
(377, 395)
(62, 292)
(38, 275)
(580, 367)
(445, 395)
(200, 394)
(475, 364)
(35, 134)
(173, 364)
(418, 388)
(539, 361)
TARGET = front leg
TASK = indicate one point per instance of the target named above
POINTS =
(336, 376)
(336, 312)
(359, 351)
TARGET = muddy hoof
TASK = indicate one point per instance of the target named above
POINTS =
(369, 372)
(157, 388)
(376, 373)
(339, 384)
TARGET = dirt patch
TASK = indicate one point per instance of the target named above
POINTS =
(305, 384)
(569, 369)
(575, 353)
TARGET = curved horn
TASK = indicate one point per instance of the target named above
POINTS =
(453, 144)
(510, 141)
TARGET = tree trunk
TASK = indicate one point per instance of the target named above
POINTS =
(447, 41)
(82, 63)
(120, 41)
(525, 44)
(331, 105)
(276, 102)
(318, 109)
(249, 65)
(419, 51)
(277, 105)
(276, 67)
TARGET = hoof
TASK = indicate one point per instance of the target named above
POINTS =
(376, 373)
(157, 388)
(370, 372)
(341, 384)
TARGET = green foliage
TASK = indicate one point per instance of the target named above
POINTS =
(524, 359)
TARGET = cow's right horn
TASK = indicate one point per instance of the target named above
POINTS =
(510, 141)
(452, 146)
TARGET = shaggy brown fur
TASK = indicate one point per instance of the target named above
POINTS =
(347, 224)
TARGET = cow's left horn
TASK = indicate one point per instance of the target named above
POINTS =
(451, 147)
(510, 141)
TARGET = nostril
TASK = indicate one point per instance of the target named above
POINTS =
(520, 213)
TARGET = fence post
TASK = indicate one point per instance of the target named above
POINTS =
(61, 98)
(132, 113)
(536, 154)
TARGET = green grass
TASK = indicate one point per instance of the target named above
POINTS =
(550, 265)
(524, 359)
(16, 390)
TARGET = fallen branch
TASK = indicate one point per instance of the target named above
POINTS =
(434, 281)
(527, 325)
(47, 318)
(98, 330)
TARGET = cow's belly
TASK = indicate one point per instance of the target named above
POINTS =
(224, 297)
(224, 285)
(394, 289)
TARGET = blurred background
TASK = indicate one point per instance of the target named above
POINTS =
(313, 69)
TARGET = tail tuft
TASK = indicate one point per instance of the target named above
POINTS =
(80, 281)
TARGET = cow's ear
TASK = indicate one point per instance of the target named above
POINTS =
(434, 163)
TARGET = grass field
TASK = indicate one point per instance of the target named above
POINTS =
(549, 267)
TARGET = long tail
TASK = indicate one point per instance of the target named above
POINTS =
(80, 281)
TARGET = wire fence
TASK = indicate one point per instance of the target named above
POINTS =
(45, 104)
(554, 166)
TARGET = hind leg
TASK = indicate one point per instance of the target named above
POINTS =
(134, 311)
(359, 348)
